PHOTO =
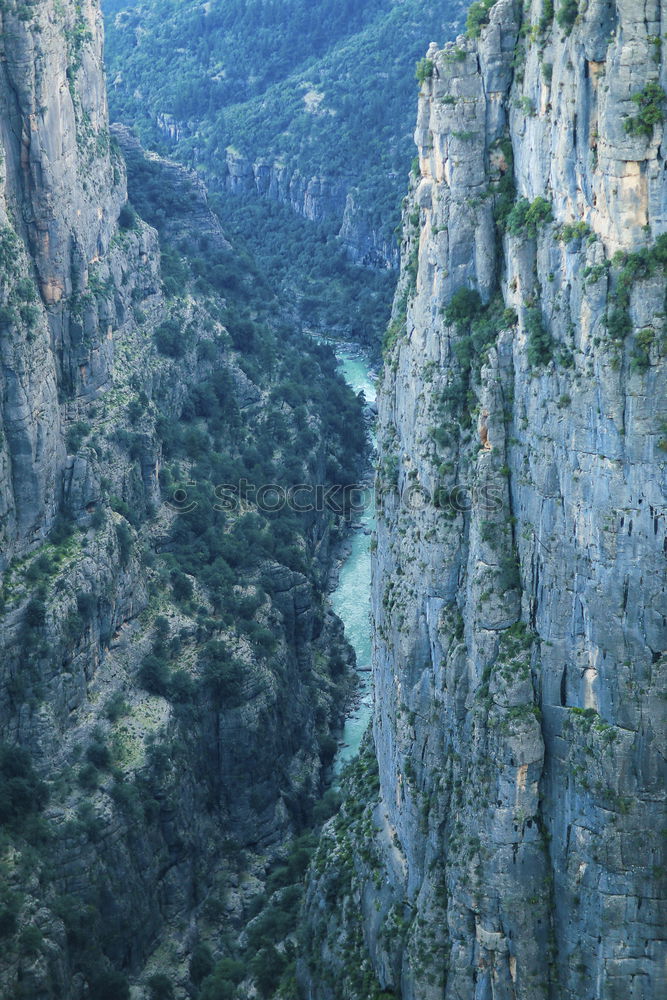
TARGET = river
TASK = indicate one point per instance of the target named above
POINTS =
(351, 600)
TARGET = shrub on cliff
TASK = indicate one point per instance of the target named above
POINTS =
(567, 15)
(22, 793)
(34, 617)
(478, 16)
(181, 586)
(527, 217)
(124, 538)
(222, 674)
(634, 267)
(650, 103)
(424, 70)
(169, 339)
(109, 986)
(540, 341)
(267, 968)
(160, 987)
(464, 305)
(76, 435)
(128, 218)
(201, 963)
(98, 753)
(154, 675)
(217, 987)
(9, 910)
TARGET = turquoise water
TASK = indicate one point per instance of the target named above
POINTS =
(356, 372)
(351, 599)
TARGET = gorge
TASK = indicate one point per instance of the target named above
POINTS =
(183, 810)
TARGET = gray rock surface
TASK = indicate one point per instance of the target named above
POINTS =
(320, 199)
(520, 644)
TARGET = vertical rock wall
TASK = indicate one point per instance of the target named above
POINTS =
(519, 580)
(61, 189)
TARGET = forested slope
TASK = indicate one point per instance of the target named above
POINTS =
(298, 85)
(170, 674)
(305, 103)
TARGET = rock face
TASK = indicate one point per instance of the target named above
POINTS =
(316, 198)
(319, 199)
(60, 191)
(59, 165)
(520, 591)
(365, 245)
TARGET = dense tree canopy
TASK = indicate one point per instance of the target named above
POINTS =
(326, 86)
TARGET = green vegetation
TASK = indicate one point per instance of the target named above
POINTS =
(327, 292)
(269, 953)
(22, 794)
(109, 985)
(640, 360)
(567, 15)
(128, 218)
(20, 296)
(632, 267)
(237, 392)
(76, 435)
(160, 987)
(527, 217)
(300, 83)
(351, 835)
(455, 54)
(503, 189)
(396, 328)
(424, 70)
(477, 327)
(540, 341)
(656, 42)
(217, 547)
(77, 37)
(527, 105)
(546, 19)
(124, 538)
(651, 110)
(169, 339)
(573, 231)
(478, 16)
(222, 981)
(463, 307)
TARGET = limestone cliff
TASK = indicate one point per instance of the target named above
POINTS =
(169, 671)
(510, 844)
(320, 199)
(61, 189)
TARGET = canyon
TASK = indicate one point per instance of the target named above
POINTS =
(183, 810)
